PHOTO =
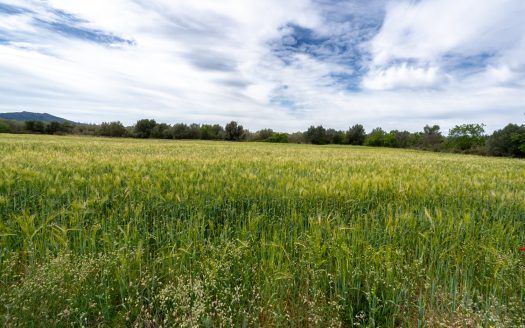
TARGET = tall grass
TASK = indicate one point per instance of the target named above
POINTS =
(106, 232)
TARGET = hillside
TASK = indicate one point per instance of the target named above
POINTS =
(30, 116)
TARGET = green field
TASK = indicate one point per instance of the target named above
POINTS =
(120, 232)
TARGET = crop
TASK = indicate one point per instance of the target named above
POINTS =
(148, 233)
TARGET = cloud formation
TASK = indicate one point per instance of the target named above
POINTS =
(272, 63)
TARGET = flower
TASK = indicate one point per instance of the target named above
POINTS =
(522, 249)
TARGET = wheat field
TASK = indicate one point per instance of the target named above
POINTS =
(101, 232)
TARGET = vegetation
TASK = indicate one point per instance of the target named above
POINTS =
(466, 138)
(150, 233)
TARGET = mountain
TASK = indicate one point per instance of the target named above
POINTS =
(29, 116)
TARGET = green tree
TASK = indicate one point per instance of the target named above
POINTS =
(181, 131)
(376, 138)
(356, 135)
(161, 131)
(112, 129)
(507, 141)
(211, 132)
(35, 126)
(195, 131)
(466, 136)
(278, 138)
(335, 137)
(234, 132)
(143, 128)
(316, 135)
(4, 127)
(519, 139)
(53, 128)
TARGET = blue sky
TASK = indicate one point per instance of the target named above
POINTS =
(272, 63)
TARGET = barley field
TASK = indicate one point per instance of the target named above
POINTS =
(101, 232)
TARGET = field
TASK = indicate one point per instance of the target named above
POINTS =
(119, 232)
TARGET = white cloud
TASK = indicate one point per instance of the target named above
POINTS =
(403, 77)
(213, 61)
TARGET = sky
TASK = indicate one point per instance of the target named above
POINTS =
(275, 64)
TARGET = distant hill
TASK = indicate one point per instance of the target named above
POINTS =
(30, 116)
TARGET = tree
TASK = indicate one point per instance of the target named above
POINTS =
(211, 132)
(35, 126)
(4, 127)
(161, 131)
(466, 136)
(403, 139)
(234, 132)
(53, 127)
(376, 138)
(297, 137)
(181, 131)
(143, 128)
(507, 141)
(112, 129)
(195, 131)
(356, 135)
(263, 134)
(335, 137)
(316, 135)
(519, 139)
(431, 137)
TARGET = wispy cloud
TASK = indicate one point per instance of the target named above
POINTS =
(280, 64)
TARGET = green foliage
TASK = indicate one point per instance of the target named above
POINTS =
(518, 138)
(335, 137)
(143, 128)
(278, 138)
(112, 129)
(466, 136)
(35, 126)
(140, 233)
(161, 131)
(316, 135)
(234, 132)
(376, 138)
(507, 141)
(356, 135)
(193, 131)
(211, 132)
(4, 127)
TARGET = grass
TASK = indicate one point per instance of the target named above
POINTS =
(117, 232)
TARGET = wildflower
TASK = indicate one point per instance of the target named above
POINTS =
(522, 249)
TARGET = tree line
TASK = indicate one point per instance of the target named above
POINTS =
(465, 138)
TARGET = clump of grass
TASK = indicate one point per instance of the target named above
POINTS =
(104, 232)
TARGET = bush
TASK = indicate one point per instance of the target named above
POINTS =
(278, 138)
